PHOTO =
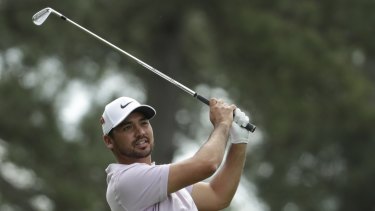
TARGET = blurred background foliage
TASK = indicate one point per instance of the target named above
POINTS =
(304, 70)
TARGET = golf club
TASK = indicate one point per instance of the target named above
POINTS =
(43, 14)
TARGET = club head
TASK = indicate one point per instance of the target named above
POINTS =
(41, 16)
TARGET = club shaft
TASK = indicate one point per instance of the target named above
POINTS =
(154, 70)
(249, 126)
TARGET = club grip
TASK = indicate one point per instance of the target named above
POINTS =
(250, 127)
(202, 99)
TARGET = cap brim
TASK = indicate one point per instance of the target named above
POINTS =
(148, 111)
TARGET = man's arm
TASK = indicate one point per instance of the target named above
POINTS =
(207, 160)
(219, 192)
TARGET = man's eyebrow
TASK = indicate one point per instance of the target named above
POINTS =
(129, 122)
(124, 123)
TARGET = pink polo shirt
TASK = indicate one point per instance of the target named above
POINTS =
(143, 187)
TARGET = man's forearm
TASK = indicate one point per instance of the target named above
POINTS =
(213, 150)
(226, 181)
(202, 165)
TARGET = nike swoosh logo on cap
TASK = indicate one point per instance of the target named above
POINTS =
(123, 106)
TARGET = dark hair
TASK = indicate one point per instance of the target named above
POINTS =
(110, 133)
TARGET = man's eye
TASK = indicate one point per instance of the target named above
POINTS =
(127, 127)
(145, 122)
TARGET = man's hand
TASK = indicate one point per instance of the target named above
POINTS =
(221, 112)
(240, 117)
(238, 134)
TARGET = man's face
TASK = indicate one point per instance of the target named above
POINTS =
(133, 138)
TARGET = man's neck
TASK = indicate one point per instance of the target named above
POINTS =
(128, 161)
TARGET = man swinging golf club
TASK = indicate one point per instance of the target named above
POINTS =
(136, 183)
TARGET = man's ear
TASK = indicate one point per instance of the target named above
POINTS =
(108, 141)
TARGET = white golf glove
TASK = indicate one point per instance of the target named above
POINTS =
(240, 117)
(237, 134)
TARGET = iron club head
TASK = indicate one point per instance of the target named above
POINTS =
(41, 16)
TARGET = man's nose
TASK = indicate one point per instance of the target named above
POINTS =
(139, 130)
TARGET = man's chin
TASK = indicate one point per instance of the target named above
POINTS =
(143, 153)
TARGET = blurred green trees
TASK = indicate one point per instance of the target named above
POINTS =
(303, 69)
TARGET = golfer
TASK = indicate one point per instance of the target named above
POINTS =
(136, 183)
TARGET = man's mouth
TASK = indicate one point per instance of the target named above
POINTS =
(141, 143)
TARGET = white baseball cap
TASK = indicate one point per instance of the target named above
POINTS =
(116, 111)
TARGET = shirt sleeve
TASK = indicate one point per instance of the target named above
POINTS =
(142, 185)
(189, 189)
